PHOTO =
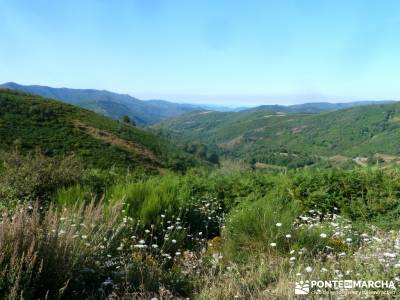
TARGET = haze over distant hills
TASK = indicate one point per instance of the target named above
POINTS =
(148, 112)
(315, 107)
(110, 104)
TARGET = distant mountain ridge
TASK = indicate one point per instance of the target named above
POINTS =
(315, 107)
(110, 104)
(295, 139)
(150, 112)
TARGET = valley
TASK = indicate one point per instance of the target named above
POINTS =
(199, 150)
(208, 205)
(294, 139)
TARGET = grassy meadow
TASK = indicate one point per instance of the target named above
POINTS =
(72, 232)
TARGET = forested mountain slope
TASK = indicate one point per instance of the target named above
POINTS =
(110, 104)
(28, 122)
(281, 138)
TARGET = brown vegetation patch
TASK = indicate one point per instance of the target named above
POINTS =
(339, 158)
(385, 157)
(232, 143)
(114, 140)
(298, 129)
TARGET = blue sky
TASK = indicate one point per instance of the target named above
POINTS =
(220, 52)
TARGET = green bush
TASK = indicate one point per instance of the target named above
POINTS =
(253, 226)
(35, 177)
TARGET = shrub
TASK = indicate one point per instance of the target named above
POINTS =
(35, 176)
(253, 226)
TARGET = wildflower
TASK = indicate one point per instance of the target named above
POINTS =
(388, 254)
(155, 246)
(298, 274)
(348, 240)
(288, 236)
(292, 258)
(173, 241)
(108, 282)
(323, 235)
(273, 244)
(163, 216)
(84, 237)
(324, 270)
(147, 231)
(140, 246)
(278, 224)
(177, 253)
(133, 237)
(308, 269)
(142, 242)
(291, 252)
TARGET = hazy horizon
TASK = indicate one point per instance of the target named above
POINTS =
(221, 53)
(186, 100)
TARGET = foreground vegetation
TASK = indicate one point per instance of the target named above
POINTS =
(73, 232)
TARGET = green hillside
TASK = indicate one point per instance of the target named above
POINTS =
(28, 122)
(281, 138)
(110, 104)
(315, 107)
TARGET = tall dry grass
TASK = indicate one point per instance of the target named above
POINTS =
(56, 253)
